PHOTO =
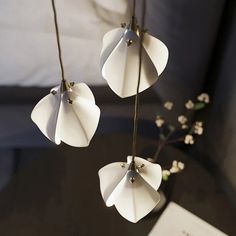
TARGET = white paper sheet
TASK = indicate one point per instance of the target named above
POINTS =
(177, 221)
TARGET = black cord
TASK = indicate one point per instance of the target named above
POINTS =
(58, 40)
(134, 8)
(136, 109)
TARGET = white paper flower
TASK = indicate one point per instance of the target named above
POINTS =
(68, 114)
(120, 60)
(131, 187)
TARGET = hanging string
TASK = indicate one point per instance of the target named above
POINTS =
(136, 107)
(58, 41)
(134, 8)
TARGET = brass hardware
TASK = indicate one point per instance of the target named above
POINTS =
(70, 101)
(123, 25)
(129, 42)
(131, 180)
(53, 92)
(122, 165)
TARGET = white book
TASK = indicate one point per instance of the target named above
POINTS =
(177, 221)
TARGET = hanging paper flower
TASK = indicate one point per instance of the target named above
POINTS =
(68, 114)
(131, 187)
(120, 59)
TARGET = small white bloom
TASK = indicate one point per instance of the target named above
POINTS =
(184, 126)
(168, 105)
(198, 128)
(189, 139)
(166, 173)
(181, 165)
(204, 97)
(159, 121)
(189, 104)
(199, 123)
(182, 119)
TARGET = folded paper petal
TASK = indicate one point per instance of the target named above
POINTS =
(70, 116)
(110, 40)
(120, 61)
(135, 200)
(45, 114)
(110, 176)
(133, 192)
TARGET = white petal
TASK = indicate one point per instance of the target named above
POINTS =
(151, 172)
(77, 122)
(121, 69)
(45, 115)
(110, 176)
(110, 41)
(157, 51)
(135, 200)
(82, 90)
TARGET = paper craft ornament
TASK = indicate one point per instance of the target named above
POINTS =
(120, 59)
(131, 187)
(68, 114)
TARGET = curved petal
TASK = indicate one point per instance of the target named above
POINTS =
(135, 200)
(121, 69)
(77, 122)
(110, 41)
(151, 172)
(157, 51)
(82, 90)
(45, 115)
(110, 176)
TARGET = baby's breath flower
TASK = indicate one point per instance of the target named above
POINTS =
(159, 121)
(166, 172)
(182, 119)
(184, 126)
(177, 167)
(204, 97)
(189, 139)
(181, 165)
(168, 105)
(189, 104)
(199, 123)
(198, 128)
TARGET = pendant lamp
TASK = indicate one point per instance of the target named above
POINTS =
(69, 112)
(120, 56)
(132, 186)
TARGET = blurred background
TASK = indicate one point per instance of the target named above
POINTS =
(54, 190)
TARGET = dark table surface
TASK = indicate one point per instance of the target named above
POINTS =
(57, 192)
